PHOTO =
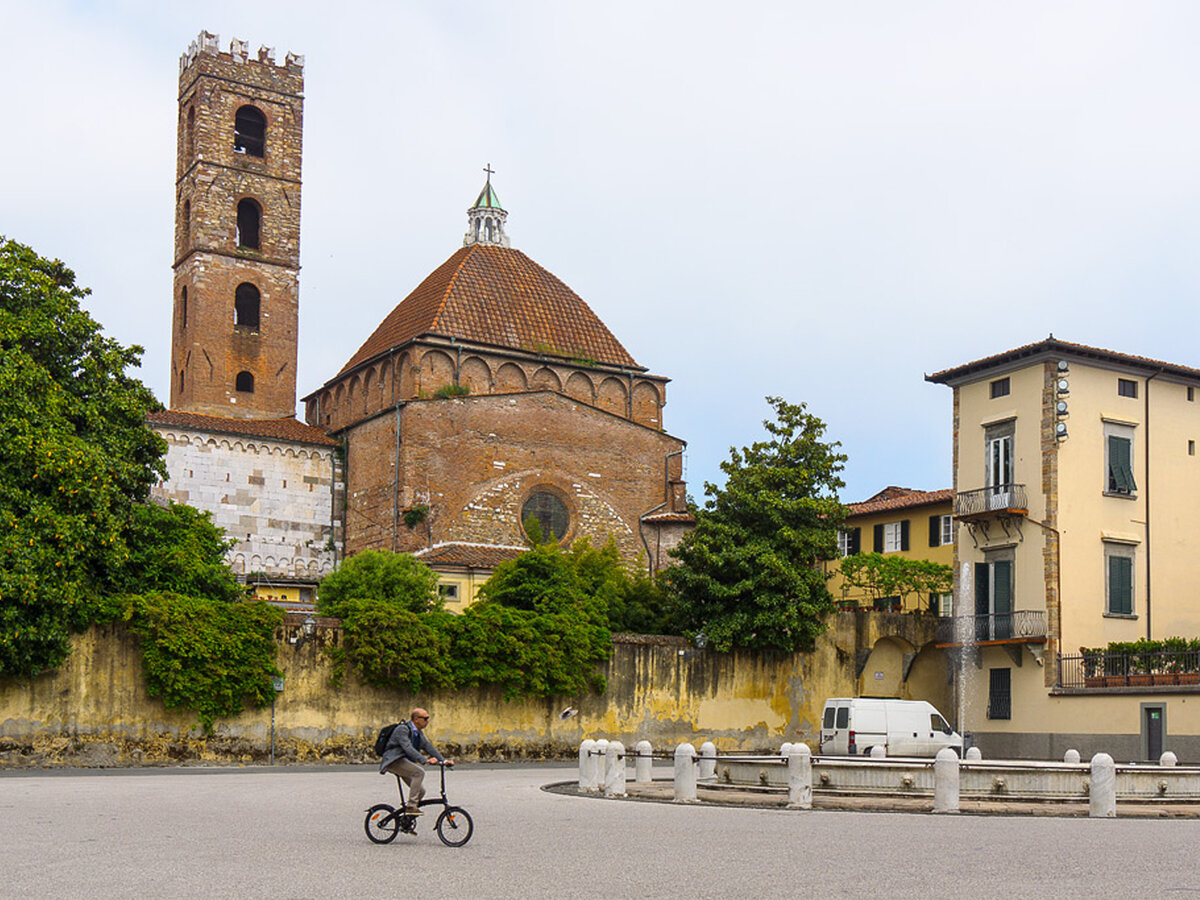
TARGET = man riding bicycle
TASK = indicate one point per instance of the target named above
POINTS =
(407, 749)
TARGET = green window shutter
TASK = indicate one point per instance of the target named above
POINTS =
(1120, 585)
(904, 535)
(1002, 601)
(854, 543)
(935, 531)
(1120, 465)
(878, 538)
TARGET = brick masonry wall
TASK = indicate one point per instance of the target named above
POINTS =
(1051, 541)
(475, 460)
(423, 368)
(208, 351)
(275, 499)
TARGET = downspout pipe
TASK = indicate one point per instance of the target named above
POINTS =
(1146, 495)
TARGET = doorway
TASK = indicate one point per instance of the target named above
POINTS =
(1154, 730)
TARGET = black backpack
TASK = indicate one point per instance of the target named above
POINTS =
(385, 735)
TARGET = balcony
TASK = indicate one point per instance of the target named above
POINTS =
(1022, 626)
(1139, 671)
(1000, 499)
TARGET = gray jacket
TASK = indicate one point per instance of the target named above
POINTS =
(407, 742)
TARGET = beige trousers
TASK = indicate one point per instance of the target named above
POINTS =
(412, 775)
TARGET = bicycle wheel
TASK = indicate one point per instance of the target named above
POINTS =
(454, 826)
(381, 826)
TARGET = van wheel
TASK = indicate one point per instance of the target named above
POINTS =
(867, 751)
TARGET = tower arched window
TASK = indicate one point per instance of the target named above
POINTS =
(191, 132)
(244, 383)
(183, 307)
(187, 218)
(246, 303)
(249, 131)
(249, 224)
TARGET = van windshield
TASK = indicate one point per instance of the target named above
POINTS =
(937, 723)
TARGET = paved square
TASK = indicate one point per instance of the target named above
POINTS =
(299, 833)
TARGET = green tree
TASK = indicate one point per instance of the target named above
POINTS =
(397, 579)
(77, 459)
(540, 625)
(881, 575)
(176, 549)
(395, 633)
(748, 573)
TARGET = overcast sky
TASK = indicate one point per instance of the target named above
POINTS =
(822, 201)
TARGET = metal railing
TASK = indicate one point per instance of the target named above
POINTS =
(996, 499)
(1164, 668)
(1021, 624)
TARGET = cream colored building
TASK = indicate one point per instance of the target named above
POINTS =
(913, 524)
(1076, 485)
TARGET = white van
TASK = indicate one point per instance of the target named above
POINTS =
(851, 726)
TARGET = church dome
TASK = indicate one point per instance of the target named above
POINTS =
(493, 295)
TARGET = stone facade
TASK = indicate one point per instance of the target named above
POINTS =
(237, 223)
(277, 499)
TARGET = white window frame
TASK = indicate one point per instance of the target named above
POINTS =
(1124, 551)
(893, 537)
(843, 538)
(1127, 433)
(947, 530)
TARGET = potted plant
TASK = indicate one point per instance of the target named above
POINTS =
(1092, 657)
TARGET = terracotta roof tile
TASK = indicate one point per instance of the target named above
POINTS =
(1054, 345)
(471, 556)
(899, 498)
(501, 297)
(278, 429)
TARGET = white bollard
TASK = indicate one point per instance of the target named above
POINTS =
(1071, 756)
(1168, 759)
(587, 771)
(1102, 792)
(614, 770)
(945, 781)
(973, 753)
(598, 753)
(878, 752)
(799, 777)
(785, 749)
(685, 774)
(708, 761)
(644, 764)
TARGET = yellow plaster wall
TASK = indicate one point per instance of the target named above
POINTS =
(94, 710)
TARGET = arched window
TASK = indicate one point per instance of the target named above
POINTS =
(183, 308)
(245, 306)
(181, 380)
(249, 220)
(187, 218)
(249, 131)
(191, 132)
(244, 383)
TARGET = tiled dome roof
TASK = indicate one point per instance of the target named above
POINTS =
(495, 295)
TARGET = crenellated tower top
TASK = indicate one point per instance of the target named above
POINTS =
(206, 44)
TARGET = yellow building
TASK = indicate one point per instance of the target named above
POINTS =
(911, 524)
(1076, 480)
(463, 568)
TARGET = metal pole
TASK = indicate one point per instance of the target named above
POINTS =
(272, 762)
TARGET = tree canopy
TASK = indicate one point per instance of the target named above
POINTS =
(881, 576)
(77, 458)
(748, 574)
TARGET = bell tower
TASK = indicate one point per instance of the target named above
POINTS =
(237, 232)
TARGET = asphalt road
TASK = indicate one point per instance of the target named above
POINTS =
(287, 833)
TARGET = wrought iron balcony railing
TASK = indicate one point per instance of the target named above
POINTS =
(1164, 668)
(1019, 625)
(995, 500)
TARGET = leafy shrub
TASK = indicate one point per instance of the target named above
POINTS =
(209, 656)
